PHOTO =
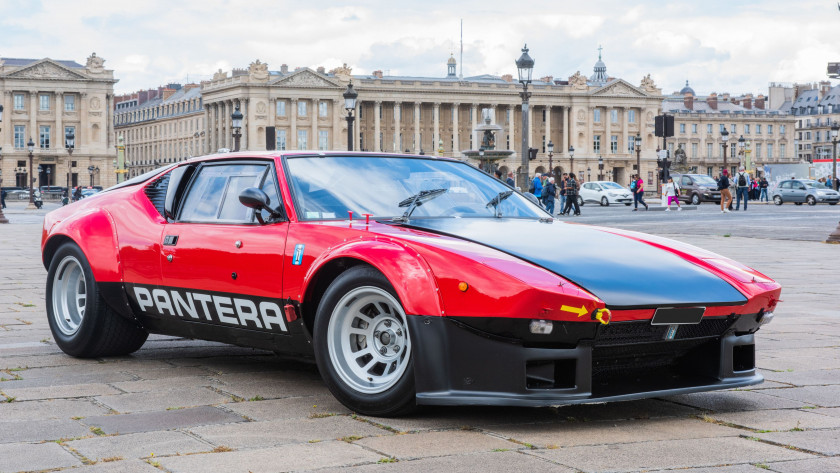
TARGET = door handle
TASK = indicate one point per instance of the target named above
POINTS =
(170, 240)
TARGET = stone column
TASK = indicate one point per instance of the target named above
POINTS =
(456, 125)
(377, 126)
(625, 133)
(590, 136)
(565, 112)
(59, 123)
(109, 122)
(531, 126)
(313, 140)
(436, 134)
(337, 135)
(397, 130)
(357, 127)
(548, 128)
(512, 128)
(245, 144)
(493, 114)
(33, 118)
(417, 145)
(8, 130)
(81, 131)
(205, 148)
(473, 124)
(291, 140)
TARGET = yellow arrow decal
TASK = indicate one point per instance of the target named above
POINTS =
(579, 311)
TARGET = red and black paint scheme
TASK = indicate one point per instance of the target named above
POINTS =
(498, 311)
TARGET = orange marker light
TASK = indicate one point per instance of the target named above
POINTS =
(462, 286)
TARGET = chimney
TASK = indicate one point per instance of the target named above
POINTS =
(377, 74)
(748, 101)
(825, 86)
(711, 100)
(725, 96)
(188, 87)
(321, 70)
(759, 102)
(507, 78)
(688, 101)
(284, 68)
(167, 92)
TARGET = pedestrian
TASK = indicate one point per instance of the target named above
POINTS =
(536, 186)
(550, 193)
(742, 182)
(498, 174)
(639, 193)
(763, 184)
(2, 198)
(563, 191)
(510, 180)
(672, 193)
(77, 194)
(725, 195)
(572, 188)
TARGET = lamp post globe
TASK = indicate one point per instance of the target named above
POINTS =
(550, 148)
(350, 95)
(638, 142)
(571, 158)
(524, 67)
(724, 136)
(236, 124)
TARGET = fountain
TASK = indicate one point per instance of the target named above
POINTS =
(487, 154)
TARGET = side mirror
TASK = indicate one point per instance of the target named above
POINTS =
(532, 198)
(258, 200)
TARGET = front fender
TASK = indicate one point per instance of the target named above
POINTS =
(407, 271)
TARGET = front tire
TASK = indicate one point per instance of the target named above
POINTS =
(605, 202)
(81, 322)
(811, 200)
(695, 199)
(362, 344)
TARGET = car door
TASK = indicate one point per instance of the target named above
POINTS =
(797, 191)
(219, 266)
(785, 192)
(686, 185)
(587, 194)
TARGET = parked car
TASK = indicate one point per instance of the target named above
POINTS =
(604, 193)
(406, 278)
(89, 192)
(697, 188)
(800, 191)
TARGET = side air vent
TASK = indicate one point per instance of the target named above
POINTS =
(156, 192)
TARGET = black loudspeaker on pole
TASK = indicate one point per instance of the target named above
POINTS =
(270, 140)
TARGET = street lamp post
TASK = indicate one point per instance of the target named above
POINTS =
(638, 143)
(92, 170)
(236, 124)
(30, 146)
(835, 130)
(742, 143)
(724, 136)
(350, 96)
(571, 159)
(588, 174)
(600, 168)
(525, 67)
(550, 148)
(70, 145)
(3, 218)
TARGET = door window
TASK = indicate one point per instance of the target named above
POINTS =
(785, 185)
(213, 196)
(685, 181)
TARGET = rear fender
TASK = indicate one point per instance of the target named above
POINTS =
(407, 271)
(95, 233)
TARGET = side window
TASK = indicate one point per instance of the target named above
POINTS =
(685, 181)
(213, 195)
(800, 186)
(785, 185)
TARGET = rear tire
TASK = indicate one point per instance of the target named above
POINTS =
(81, 322)
(580, 201)
(362, 344)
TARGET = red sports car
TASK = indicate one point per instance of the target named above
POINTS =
(409, 279)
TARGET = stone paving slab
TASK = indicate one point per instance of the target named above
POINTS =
(159, 400)
(823, 396)
(49, 409)
(140, 445)
(826, 442)
(279, 432)
(669, 454)
(161, 420)
(817, 465)
(744, 468)
(435, 444)
(117, 466)
(735, 401)
(57, 392)
(289, 408)
(805, 377)
(34, 430)
(506, 461)
(305, 456)
(782, 419)
(35, 456)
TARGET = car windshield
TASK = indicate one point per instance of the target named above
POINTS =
(703, 180)
(813, 185)
(331, 187)
(610, 185)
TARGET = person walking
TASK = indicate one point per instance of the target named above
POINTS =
(742, 189)
(549, 194)
(2, 198)
(77, 194)
(572, 188)
(763, 184)
(563, 191)
(639, 193)
(537, 186)
(510, 180)
(725, 195)
(672, 193)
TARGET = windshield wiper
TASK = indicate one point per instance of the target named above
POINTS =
(495, 201)
(415, 201)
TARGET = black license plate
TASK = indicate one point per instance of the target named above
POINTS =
(677, 315)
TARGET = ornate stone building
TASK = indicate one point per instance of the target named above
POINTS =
(599, 117)
(43, 100)
(698, 121)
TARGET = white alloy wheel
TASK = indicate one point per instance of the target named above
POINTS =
(69, 295)
(367, 340)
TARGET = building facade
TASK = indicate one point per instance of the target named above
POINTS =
(43, 100)
(768, 135)
(304, 109)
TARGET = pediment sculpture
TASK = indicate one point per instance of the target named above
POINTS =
(342, 72)
(95, 64)
(578, 81)
(648, 85)
(45, 70)
(219, 75)
(258, 71)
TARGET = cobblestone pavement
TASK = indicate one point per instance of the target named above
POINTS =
(190, 406)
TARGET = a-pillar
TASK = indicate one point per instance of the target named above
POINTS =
(417, 145)
(377, 126)
(456, 146)
(436, 136)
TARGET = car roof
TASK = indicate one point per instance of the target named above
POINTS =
(302, 153)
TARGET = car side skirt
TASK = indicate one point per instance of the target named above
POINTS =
(460, 365)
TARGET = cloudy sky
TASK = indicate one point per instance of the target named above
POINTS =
(718, 45)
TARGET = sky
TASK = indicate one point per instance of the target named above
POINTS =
(718, 46)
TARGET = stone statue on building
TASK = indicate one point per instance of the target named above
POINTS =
(258, 71)
(648, 85)
(578, 81)
(220, 75)
(95, 64)
(342, 72)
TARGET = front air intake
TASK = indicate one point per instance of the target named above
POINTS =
(156, 192)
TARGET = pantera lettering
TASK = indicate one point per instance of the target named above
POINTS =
(239, 311)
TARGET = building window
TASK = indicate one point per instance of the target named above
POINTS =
(280, 108)
(709, 149)
(614, 144)
(682, 127)
(694, 128)
(18, 101)
(301, 139)
(44, 136)
(631, 116)
(769, 150)
(734, 129)
(301, 110)
(69, 103)
(709, 170)
(758, 129)
(722, 127)
(631, 144)
(769, 129)
(69, 129)
(746, 129)
(280, 140)
(596, 115)
(782, 149)
(757, 151)
(20, 132)
(596, 144)
(709, 128)
(323, 139)
(818, 136)
(693, 150)
(614, 116)
(44, 101)
(322, 109)
(543, 115)
(782, 129)
(807, 135)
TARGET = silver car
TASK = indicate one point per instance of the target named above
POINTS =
(801, 191)
(604, 193)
